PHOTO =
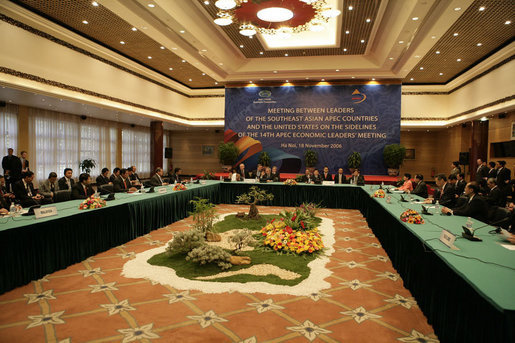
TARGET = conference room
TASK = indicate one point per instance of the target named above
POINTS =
(257, 171)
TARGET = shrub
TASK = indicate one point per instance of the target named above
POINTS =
(184, 242)
(210, 254)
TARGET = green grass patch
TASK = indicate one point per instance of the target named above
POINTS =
(230, 222)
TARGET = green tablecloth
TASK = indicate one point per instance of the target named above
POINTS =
(465, 294)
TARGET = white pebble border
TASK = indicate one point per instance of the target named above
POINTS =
(315, 282)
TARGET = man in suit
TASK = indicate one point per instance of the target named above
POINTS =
(266, 176)
(492, 172)
(103, 178)
(176, 176)
(326, 176)
(115, 174)
(12, 168)
(243, 173)
(122, 183)
(481, 171)
(260, 170)
(495, 197)
(66, 182)
(421, 187)
(475, 207)
(24, 162)
(26, 194)
(356, 178)
(460, 184)
(445, 195)
(455, 167)
(275, 174)
(317, 178)
(157, 179)
(340, 178)
(50, 186)
(5, 197)
(503, 176)
(135, 180)
(307, 177)
(82, 189)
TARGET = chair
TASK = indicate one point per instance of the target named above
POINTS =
(61, 196)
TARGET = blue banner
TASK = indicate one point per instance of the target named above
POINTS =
(334, 121)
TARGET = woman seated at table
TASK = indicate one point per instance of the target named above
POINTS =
(407, 186)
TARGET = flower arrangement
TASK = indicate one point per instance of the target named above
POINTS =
(282, 237)
(379, 194)
(310, 209)
(92, 202)
(179, 187)
(290, 182)
(412, 217)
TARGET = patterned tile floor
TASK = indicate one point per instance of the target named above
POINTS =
(92, 302)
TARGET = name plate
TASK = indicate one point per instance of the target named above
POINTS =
(162, 190)
(43, 212)
(249, 180)
(328, 182)
(448, 239)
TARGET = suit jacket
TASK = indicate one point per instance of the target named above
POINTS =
(63, 186)
(102, 180)
(481, 173)
(13, 164)
(78, 191)
(134, 177)
(317, 179)
(360, 180)
(120, 186)
(4, 202)
(420, 189)
(460, 187)
(155, 181)
(503, 175)
(275, 177)
(112, 178)
(337, 179)
(26, 164)
(45, 188)
(328, 177)
(476, 208)
(446, 198)
(245, 174)
(307, 179)
(265, 178)
(20, 192)
(492, 173)
(496, 197)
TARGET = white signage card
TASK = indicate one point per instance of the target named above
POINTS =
(162, 190)
(43, 212)
(448, 239)
(328, 182)
(249, 180)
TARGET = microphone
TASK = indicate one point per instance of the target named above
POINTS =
(403, 200)
(388, 190)
(425, 211)
(469, 233)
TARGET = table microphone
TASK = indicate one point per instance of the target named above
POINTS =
(469, 233)
(425, 211)
(403, 200)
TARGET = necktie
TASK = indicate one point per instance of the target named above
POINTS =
(125, 183)
(29, 193)
(52, 187)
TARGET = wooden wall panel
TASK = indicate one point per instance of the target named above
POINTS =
(499, 130)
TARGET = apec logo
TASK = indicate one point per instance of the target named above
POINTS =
(358, 97)
(265, 94)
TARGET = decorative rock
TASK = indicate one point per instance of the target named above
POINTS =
(240, 215)
(213, 237)
(237, 260)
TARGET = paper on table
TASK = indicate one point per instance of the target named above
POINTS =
(509, 246)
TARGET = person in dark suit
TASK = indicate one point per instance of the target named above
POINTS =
(476, 207)
(157, 178)
(445, 195)
(275, 174)
(492, 172)
(421, 187)
(326, 176)
(503, 176)
(82, 189)
(5, 197)
(103, 178)
(24, 162)
(481, 171)
(460, 184)
(115, 174)
(455, 167)
(317, 178)
(66, 182)
(307, 177)
(356, 178)
(496, 196)
(122, 183)
(26, 194)
(266, 175)
(243, 173)
(176, 176)
(12, 168)
(135, 177)
(340, 178)
(50, 186)
(260, 170)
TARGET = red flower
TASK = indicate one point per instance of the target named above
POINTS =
(302, 224)
(294, 217)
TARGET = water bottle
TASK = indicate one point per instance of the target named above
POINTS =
(174, 182)
(191, 179)
(469, 223)
(221, 178)
(437, 206)
(12, 209)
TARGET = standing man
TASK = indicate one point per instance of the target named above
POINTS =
(24, 162)
(66, 182)
(503, 176)
(481, 171)
(12, 168)
(82, 189)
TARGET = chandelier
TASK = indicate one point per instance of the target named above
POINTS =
(275, 17)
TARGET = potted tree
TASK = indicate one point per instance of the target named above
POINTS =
(227, 153)
(264, 159)
(354, 161)
(310, 159)
(393, 156)
(86, 165)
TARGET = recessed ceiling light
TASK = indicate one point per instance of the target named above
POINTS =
(455, 34)
(368, 20)
(437, 52)
(183, 61)
(337, 69)
(85, 22)
(174, 48)
(251, 81)
(479, 44)
(134, 29)
(94, 3)
(286, 55)
(401, 42)
(353, 77)
(417, 56)
(441, 74)
(191, 80)
(261, 52)
(242, 46)
(350, 8)
(458, 60)
(433, 37)
(507, 22)
(275, 14)
(347, 32)
(275, 71)
(122, 42)
(457, 8)
(307, 78)
(182, 31)
(221, 64)
(391, 58)
(344, 49)
(414, 18)
(412, 79)
(362, 41)
(323, 79)
(421, 68)
(203, 50)
(170, 68)
(216, 83)
(482, 8)
(42, 99)
(373, 79)
(162, 47)
(149, 57)
(287, 81)
(151, 5)
(203, 74)
(206, 2)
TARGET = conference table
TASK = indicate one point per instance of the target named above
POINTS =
(466, 294)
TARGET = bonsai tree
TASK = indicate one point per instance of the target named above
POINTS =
(310, 158)
(242, 239)
(264, 159)
(228, 153)
(252, 198)
(185, 241)
(393, 156)
(86, 165)
(354, 161)
(204, 215)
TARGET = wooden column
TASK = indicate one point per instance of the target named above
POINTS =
(478, 145)
(156, 148)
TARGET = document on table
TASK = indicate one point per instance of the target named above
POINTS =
(509, 246)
